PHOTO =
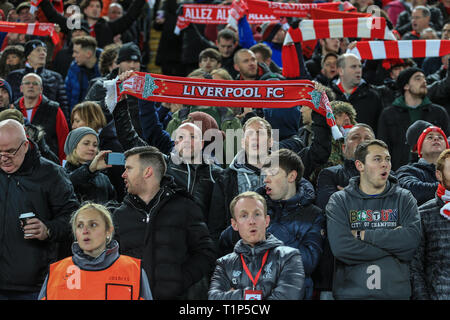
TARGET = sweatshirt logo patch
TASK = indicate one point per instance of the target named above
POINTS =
(372, 219)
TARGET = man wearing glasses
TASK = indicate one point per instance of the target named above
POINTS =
(29, 184)
(41, 111)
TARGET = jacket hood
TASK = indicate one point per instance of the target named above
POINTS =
(239, 164)
(103, 261)
(271, 242)
(353, 188)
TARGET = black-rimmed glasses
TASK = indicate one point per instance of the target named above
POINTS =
(11, 153)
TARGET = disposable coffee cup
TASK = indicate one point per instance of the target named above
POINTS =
(24, 218)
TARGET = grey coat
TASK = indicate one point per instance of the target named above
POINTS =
(430, 274)
(282, 277)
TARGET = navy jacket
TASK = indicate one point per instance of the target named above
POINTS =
(420, 179)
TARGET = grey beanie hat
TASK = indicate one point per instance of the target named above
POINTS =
(75, 136)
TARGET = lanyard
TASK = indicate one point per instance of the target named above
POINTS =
(254, 281)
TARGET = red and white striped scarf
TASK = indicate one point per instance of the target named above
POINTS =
(401, 49)
(239, 8)
(222, 93)
(37, 29)
(369, 28)
(444, 195)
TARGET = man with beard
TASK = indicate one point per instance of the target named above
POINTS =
(247, 65)
(412, 105)
(429, 268)
(428, 142)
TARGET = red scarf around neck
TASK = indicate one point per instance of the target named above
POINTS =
(23, 109)
(444, 195)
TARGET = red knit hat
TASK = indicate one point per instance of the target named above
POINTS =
(207, 121)
(424, 134)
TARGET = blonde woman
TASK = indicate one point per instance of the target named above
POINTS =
(84, 164)
(96, 271)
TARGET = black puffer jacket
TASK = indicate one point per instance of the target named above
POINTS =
(282, 276)
(170, 237)
(429, 269)
(90, 186)
(41, 187)
(53, 86)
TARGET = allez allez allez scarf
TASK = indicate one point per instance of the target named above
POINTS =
(214, 14)
(222, 93)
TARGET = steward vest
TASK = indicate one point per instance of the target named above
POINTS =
(121, 281)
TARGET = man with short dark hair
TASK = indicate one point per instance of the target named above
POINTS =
(227, 43)
(328, 72)
(160, 224)
(209, 60)
(412, 105)
(429, 268)
(83, 68)
(373, 229)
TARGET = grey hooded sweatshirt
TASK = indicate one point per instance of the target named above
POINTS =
(378, 266)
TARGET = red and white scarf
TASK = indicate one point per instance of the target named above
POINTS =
(444, 195)
(37, 29)
(222, 93)
(214, 14)
(239, 8)
(369, 28)
(401, 49)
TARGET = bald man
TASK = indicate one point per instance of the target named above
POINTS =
(30, 184)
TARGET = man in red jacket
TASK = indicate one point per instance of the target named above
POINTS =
(39, 110)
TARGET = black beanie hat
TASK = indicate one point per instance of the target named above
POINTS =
(414, 131)
(31, 45)
(129, 52)
(405, 75)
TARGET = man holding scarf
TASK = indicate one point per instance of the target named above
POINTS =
(429, 268)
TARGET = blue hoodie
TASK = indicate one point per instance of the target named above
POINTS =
(5, 85)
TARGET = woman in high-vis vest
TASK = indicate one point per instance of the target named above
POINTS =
(96, 271)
